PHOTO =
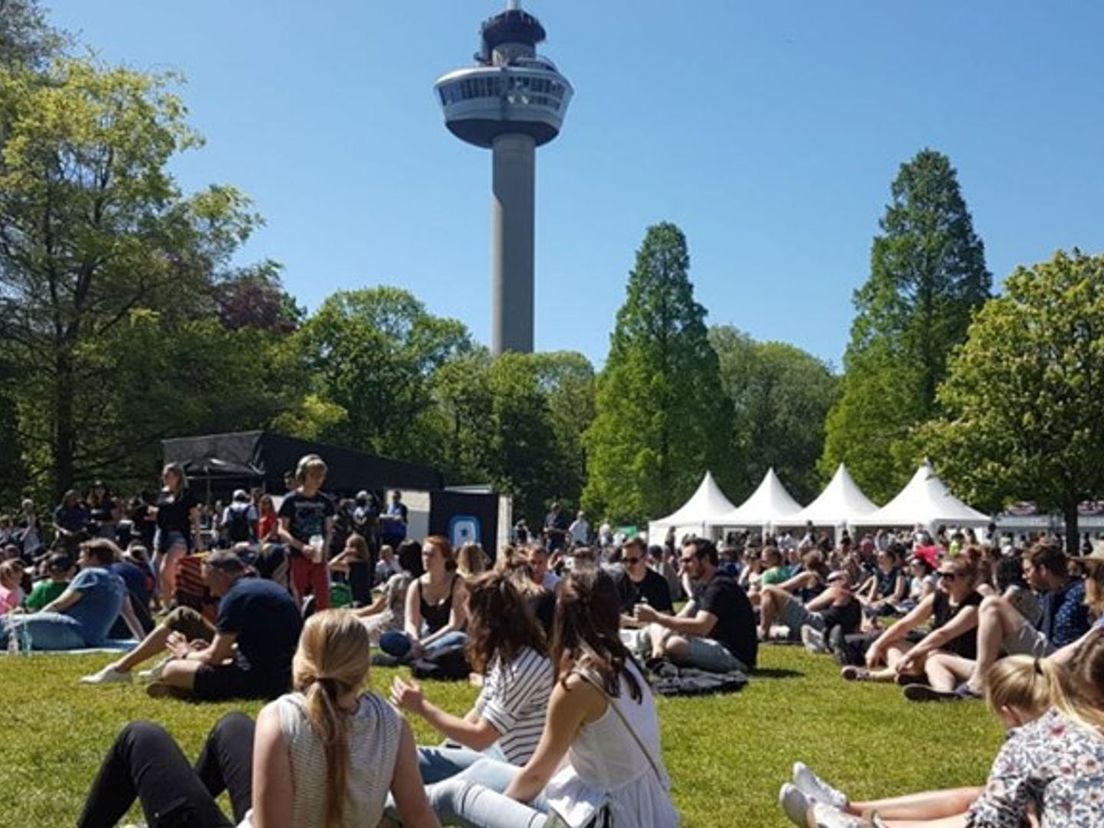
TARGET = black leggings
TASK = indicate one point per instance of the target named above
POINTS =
(145, 763)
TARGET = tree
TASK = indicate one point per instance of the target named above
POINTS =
(927, 277)
(92, 228)
(27, 41)
(1024, 400)
(661, 416)
(254, 297)
(516, 421)
(780, 397)
(373, 353)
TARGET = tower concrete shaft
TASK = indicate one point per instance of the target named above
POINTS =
(511, 102)
(512, 210)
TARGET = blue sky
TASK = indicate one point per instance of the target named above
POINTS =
(769, 131)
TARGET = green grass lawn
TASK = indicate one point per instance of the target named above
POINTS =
(727, 755)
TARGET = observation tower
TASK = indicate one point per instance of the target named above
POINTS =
(510, 102)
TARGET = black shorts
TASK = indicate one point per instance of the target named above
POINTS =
(229, 681)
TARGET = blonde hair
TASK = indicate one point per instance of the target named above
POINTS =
(1078, 695)
(309, 463)
(1022, 683)
(332, 659)
(471, 560)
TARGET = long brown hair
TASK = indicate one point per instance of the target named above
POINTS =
(332, 659)
(586, 630)
(500, 621)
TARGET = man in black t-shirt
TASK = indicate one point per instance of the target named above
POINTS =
(637, 584)
(246, 654)
(714, 632)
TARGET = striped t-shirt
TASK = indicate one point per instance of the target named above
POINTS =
(514, 700)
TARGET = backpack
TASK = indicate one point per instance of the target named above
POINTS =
(239, 528)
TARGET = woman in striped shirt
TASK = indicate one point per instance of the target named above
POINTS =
(507, 646)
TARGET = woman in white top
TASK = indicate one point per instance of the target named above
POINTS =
(601, 719)
(323, 756)
(507, 647)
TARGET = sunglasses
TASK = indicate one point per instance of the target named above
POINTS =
(632, 560)
(950, 576)
(688, 559)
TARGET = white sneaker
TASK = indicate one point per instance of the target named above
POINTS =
(794, 803)
(825, 816)
(813, 639)
(108, 675)
(816, 789)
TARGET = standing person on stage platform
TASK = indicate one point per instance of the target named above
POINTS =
(393, 521)
(306, 526)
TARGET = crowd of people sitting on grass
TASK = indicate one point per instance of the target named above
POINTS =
(567, 633)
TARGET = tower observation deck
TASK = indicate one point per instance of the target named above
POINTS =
(511, 102)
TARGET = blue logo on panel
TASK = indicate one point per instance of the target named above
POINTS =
(464, 529)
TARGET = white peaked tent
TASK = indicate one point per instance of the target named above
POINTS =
(769, 505)
(840, 504)
(698, 515)
(925, 500)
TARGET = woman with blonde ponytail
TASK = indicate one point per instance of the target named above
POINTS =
(324, 756)
(1052, 764)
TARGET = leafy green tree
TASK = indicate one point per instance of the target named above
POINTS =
(373, 353)
(92, 228)
(927, 277)
(158, 378)
(1024, 400)
(780, 397)
(661, 416)
(516, 421)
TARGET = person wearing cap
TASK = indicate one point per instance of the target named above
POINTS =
(245, 654)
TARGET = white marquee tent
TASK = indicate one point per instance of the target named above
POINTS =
(925, 500)
(769, 505)
(840, 504)
(697, 516)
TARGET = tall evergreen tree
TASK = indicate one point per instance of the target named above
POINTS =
(662, 417)
(927, 277)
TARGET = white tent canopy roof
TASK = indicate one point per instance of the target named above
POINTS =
(768, 505)
(925, 500)
(841, 502)
(701, 511)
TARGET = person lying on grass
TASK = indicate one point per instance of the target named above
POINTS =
(506, 645)
(322, 756)
(246, 654)
(1051, 768)
(952, 609)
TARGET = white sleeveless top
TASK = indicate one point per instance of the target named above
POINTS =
(374, 735)
(606, 766)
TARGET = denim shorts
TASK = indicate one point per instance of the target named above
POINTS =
(172, 540)
(709, 654)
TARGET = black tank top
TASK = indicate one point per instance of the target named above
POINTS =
(966, 644)
(435, 616)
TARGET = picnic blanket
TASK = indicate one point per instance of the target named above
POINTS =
(672, 680)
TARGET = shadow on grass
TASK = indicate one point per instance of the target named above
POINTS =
(777, 673)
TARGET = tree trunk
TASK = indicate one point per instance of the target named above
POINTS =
(1073, 537)
(65, 438)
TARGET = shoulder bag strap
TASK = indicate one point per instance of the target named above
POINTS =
(613, 705)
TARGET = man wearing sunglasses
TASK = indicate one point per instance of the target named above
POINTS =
(638, 584)
(715, 632)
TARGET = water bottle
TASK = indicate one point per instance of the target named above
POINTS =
(25, 641)
(316, 544)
